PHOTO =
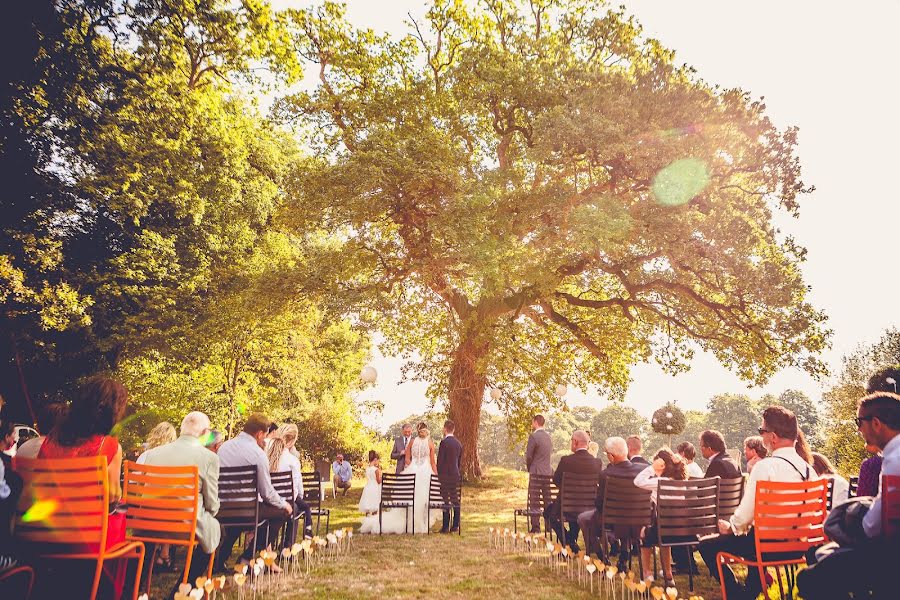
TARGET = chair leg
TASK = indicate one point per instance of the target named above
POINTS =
(379, 520)
(187, 565)
(137, 576)
(780, 583)
(719, 565)
(328, 523)
(209, 569)
(152, 564)
(515, 527)
(691, 568)
(762, 581)
(96, 585)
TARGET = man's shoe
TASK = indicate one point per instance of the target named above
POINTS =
(454, 530)
(444, 530)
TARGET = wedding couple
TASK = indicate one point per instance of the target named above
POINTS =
(418, 457)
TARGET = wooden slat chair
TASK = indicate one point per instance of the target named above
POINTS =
(788, 520)
(15, 573)
(239, 501)
(626, 507)
(444, 493)
(283, 482)
(398, 491)
(854, 487)
(686, 511)
(312, 495)
(162, 509)
(829, 493)
(730, 493)
(577, 494)
(74, 494)
(536, 501)
(890, 507)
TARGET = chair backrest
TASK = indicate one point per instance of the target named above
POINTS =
(730, 493)
(283, 482)
(854, 487)
(398, 487)
(323, 468)
(445, 489)
(789, 517)
(829, 492)
(890, 506)
(578, 492)
(535, 484)
(63, 501)
(687, 508)
(312, 489)
(625, 504)
(162, 503)
(238, 496)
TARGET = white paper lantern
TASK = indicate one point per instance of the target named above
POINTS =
(496, 393)
(561, 390)
(369, 375)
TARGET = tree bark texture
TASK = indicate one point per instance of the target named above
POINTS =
(467, 385)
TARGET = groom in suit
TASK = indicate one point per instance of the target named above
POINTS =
(537, 459)
(400, 443)
(449, 455)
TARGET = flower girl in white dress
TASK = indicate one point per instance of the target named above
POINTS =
(371, 494)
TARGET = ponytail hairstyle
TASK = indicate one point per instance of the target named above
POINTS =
(422, 429)
(373, 455)
(675, 467)
(282, 438)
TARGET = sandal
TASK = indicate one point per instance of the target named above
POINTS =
(164, 564)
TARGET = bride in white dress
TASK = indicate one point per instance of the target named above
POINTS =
(420, 460)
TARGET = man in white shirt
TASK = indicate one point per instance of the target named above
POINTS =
(779, 432)
(246, 449)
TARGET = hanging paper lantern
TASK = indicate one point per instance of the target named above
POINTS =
(496, 393)
(561, 390)
(669, 420)
(368, 375)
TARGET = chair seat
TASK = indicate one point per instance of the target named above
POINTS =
(529, 511)
(120, 550)
(397, 504)
(752, 562)
(443, 505)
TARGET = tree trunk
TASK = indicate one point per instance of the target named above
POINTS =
(467, 384)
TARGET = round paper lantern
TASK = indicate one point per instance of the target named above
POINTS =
(561, 390)
(496, 393)
(368, 374)
(668, 420)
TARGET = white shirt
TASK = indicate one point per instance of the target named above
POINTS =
(889, 466)
(4, 487)
(770, 468)
(840, 492)
(290, 462)
(694, 471)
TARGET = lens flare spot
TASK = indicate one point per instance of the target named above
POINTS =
(681, 181)
(206, 438)
(40, 511)
(241, 408)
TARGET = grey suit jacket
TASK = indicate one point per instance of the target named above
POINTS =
(187, 450)
(399, 453)
(538, 452)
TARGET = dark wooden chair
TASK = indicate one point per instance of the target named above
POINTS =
(626, 508)
(890, 506)
(239, 501)
(829, 493)
(312, 495)
(577, 494)
(541, 492)
(686, 511)
(730, 493)
(854, 487)
(283, 482)
(445, 493)
(398, 491)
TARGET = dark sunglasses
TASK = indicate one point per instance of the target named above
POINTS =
(859, 420)
(763, 430)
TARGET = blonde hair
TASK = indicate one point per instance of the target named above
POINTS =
(282, 438)
(422, 430)
(162, 434)
(594, 448)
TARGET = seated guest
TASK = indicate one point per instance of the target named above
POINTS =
(635, 447)
(246, 450)
(164, 433)
(48, 415)
(840, 487)
(580, 462)
(343, 473)
(688, 453)
(754, 451)
(214, 440)
(712, 447)
(866, 569)
(779, 433)
(9, 437)
(187, 449)
(869, 473)
(619, 466)
(282, 459)
(666, 465)
(86, 431)
(10, 490)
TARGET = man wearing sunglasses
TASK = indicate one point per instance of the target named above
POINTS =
(779, 432)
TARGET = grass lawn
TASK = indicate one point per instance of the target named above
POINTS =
(444, 566)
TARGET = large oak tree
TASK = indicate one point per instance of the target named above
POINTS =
(530, 193)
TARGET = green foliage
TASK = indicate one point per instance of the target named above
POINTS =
(735, 416)
(668, 420)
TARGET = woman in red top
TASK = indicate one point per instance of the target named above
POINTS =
(85, 431)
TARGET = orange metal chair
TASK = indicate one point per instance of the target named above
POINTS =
(890, 506)
(16, 571)
(62, 513)
(789, 518)
(162, 508)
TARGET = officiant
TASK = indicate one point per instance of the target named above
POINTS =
(400, 444)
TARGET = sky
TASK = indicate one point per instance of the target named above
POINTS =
(828, 68)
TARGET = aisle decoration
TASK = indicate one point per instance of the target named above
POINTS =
(668, 420)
